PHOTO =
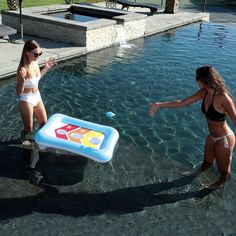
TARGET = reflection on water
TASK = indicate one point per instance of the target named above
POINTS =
(142, 183)
(220, 34)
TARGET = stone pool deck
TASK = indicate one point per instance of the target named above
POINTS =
(157, 23)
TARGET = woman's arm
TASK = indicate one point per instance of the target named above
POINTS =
(21, 76)
(48, 65)
(178, 103)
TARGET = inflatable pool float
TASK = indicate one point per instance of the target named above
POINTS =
(81, 137)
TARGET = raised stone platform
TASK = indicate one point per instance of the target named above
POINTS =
(93, 35)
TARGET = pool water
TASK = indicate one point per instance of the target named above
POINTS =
(141, 191)
(73, 16)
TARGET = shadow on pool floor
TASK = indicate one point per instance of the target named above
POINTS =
(121, 201)
(59, 169)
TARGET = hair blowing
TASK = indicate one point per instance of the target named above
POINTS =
(209, 76)
(24, 61)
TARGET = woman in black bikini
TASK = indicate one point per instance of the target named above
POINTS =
(217, 104)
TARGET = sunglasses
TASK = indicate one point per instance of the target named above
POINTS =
(37, 54)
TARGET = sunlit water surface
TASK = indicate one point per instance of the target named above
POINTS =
(141, 191)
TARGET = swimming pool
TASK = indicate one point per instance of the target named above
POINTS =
(73, 16)
(140, 192)
(81, 14)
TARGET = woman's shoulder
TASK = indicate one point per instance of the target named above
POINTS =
(225, 97)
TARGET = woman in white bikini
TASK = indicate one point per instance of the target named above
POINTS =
(216, 105)
(30, 101)
(28, 76)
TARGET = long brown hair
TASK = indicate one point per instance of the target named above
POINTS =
(209, 76)
(24, 61)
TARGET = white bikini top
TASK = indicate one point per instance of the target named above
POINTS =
(33, 82)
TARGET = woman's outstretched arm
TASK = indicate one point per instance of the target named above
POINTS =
(176, 104)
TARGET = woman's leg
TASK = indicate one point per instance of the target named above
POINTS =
(41, 116)
(26, 111)
(40, 113)
(208, 158)
(223, 151)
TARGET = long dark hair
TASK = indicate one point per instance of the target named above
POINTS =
(24, 61)
(209, 76)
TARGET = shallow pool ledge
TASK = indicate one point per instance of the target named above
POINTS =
(163, 22)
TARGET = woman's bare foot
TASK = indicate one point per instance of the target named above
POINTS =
(192, 173)
(213, 186)
(219, 183)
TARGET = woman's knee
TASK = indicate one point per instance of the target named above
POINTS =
(224, 162)
(224, 167)
(40, 114)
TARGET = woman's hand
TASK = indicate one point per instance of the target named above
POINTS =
(153, 109)
(23, 73)
(50, 63)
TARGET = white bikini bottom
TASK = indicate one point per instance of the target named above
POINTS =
(32, 98)
(224, 138)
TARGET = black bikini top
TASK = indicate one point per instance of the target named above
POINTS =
(211, 113)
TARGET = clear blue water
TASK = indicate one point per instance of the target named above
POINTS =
(141, 191)
(73, 16)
